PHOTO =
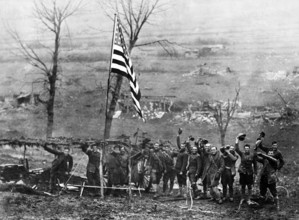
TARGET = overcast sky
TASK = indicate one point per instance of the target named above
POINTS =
(247, 20)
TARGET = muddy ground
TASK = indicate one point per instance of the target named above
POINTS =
(71, 206)
(15, 205)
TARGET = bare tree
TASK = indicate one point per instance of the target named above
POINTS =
(52, 17)
(134, 15)
(223, 114)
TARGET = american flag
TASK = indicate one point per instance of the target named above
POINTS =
(122, 64)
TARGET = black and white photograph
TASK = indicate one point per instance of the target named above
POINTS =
(149, 109)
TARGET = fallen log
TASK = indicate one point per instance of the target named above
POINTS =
(171, 199)
(12, 187)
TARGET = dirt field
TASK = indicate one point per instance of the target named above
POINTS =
(71, 206)
(14, 205)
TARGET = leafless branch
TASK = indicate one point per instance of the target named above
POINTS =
(166, 45)
(29, 54)
(224, 120)
(281, 98)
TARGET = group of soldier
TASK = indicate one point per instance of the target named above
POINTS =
(199, 159)
(191, 161)
(117, 165)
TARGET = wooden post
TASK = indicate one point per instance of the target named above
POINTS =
(82, 188)
(101, 171)
(24, 155)
(130, 165)
(130, 173)
(24, 158)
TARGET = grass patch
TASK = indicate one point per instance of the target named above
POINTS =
(85, 56)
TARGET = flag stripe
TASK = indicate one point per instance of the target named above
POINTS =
(117, 71)
(116, 62)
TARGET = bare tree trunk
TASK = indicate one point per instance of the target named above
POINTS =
(222, 138)
(52, 91)
(110, 112)
(50, 123)
(50, 111)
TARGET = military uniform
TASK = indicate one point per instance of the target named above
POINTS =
(115, 174)
(124, 163)
(268, 176)
(276, 154)
(194, 168)
(181, 166)
(247, 168)
(212, 172)
(227, 177)
(268, 173)
(61, 166)
(170, 173)
(204, 164)
(92, 169)
(157, 167)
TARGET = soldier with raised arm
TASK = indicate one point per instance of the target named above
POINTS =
(61, 166)
(194, 168)
(227, 177)
(92, 169)
(170, 173)
(272, 161)
(274, 148)
(204, 150)
(213, 171)
(247, 168)
(181, 164)
(268, 175)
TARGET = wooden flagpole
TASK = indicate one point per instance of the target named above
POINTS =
(130, 175)
(109, 74)
(106, 112)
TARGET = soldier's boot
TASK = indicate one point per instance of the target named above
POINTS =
(164, 188)
(204, 195)
(249, 194)
(205, 192)
(231, 194)
(194, 189)
(243, 196)
(184, 191)
(170, 188)
(154, 186)
(157, 191)
(51, 187)
(224, 193)
(180, 192)
(231, 197)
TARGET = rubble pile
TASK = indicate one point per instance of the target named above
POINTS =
(197, 116)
